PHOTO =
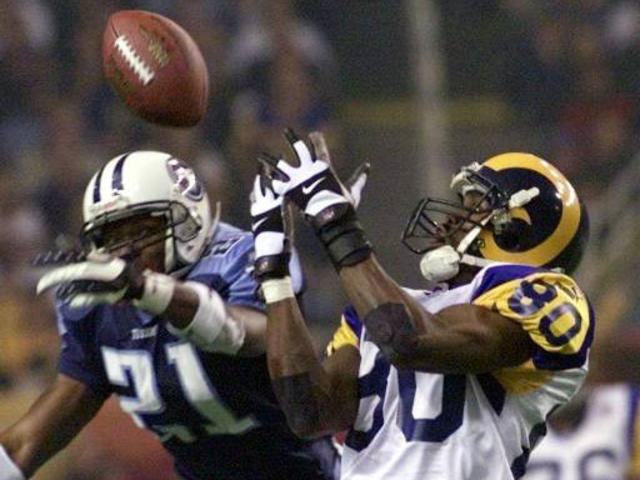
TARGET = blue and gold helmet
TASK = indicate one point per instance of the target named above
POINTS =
(527, 212)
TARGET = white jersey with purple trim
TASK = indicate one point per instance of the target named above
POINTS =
(416, 425)
(602, 446)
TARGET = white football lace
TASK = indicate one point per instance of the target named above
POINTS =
(141, 69)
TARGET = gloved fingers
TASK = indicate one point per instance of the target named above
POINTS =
(300, 149)
(320, 147)
(357, 182)
(256, 191)
(273, 167)
(83, 300)
(60, 275)
(100, 271)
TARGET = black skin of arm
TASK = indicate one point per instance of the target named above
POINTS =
(318, 398)
(53, 420)
(459, 339)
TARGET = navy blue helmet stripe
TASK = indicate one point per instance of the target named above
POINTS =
(96, 186)
(116, 180)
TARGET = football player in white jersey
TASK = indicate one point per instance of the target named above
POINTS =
(593, 437)
(452, 383)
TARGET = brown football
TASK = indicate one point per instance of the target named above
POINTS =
(155, 67)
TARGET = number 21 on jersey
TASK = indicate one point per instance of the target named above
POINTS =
(134, 369)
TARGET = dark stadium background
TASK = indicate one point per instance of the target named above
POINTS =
(415, 87)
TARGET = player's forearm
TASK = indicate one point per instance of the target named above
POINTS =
(300, 382)
(50, 424)
(182, 307)
(29, 453)
(461, 338)
(199, 314)
(14, 463)
(395, 321)
(368, 286)
(255, 326)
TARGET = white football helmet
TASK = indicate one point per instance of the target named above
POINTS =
(154, 183)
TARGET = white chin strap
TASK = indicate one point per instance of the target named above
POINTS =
(443, 263)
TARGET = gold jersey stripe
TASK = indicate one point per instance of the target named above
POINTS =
(634, 464)
(553, 291)
(522, 379)
(539, 316)
(344, 335)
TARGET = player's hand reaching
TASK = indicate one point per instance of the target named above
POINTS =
(312, 185)
(326, 202)
(105, 279)
(268, 227)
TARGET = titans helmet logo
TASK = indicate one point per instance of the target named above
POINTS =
(185, 179)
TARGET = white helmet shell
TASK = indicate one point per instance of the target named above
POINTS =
(159, 184)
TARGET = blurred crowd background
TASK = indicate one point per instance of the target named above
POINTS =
(415, 87)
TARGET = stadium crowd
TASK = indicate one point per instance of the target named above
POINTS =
(570, 77)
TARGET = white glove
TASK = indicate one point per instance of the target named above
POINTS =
(312, 185)
(356, 184)
(327, 204)
(105, 279)
(268, 227)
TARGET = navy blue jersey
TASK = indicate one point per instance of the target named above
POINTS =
(216, 414)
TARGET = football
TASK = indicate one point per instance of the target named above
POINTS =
(155, 66)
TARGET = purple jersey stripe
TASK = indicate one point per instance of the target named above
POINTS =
(632, 435)
(498, 275)
(351, 317)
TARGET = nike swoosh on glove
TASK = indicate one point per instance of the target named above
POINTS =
(316, 190)
(311, 185)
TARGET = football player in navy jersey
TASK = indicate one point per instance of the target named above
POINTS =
(452, 382)
(163, 310)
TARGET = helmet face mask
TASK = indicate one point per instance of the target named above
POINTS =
(101, 237)
(523, 210)
(148, 184)
(436, 222)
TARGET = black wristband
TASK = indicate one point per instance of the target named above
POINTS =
(271, 266)
(342, 235)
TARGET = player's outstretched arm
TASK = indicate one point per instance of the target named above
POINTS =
(459, 339)
(191, 309)
(317, 398)
(50, 424)
(199, 314)
(477, 340)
